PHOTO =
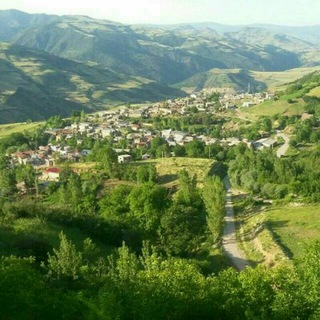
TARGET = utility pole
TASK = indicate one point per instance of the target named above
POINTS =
(36, 183)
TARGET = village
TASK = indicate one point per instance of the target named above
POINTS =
(130, 124)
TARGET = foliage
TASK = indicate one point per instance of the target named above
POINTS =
(213, 195)
(66, 261)
(147, 203)
(263, 173)
(152, 287)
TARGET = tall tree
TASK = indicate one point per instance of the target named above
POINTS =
(66, 261)
(213, 194)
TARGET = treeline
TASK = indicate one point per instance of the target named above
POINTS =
(262, 173)
(176, 223)
(74, 284)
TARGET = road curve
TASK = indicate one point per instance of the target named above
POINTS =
(229, 239)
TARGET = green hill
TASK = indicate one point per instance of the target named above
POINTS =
(35, 85)
(276, 79)
(164, 54)
(299, 96)
(76, 62)
(13, 22)
(237, 79)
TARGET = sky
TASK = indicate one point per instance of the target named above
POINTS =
(232, 12)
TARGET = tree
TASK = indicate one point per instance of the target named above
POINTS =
(163, 151)
(182, 228)
(66, 261)
(147, 203)
(213, 195)
(27, 174)
(115, 203)
(72, 193)
(26, 295)
(103, 153)
(309, 275)
(195, 149)
(146, 173)
(7, 182)
(179, 151)
(125, 267)
(214, 97)
(266, 124)
(188, 193)
(55, 122)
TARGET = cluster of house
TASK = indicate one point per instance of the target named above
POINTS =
(234, 100)
(138, 134)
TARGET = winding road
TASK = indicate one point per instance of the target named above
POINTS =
(229, 238)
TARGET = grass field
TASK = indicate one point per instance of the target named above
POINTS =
(7, 129)
(271, 107)
(294, 226)
(168, 169)
(256, 239)
(315, 92)
(273, 234)
(276, 79)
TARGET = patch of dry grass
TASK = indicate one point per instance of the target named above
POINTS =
(7, 129)
(168, 169)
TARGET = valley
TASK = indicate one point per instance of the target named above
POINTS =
(158, 171)
(80, 63)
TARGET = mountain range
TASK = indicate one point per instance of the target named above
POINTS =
(90, 64)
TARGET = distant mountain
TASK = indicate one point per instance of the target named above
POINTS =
(14, 21)
(118, 47)
(35, 85)
(306, 33)
(168, 54)
(88, 63)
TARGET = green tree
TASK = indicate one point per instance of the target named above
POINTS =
(115, 204)
(66, 261)
(179, 151)
(26, 174)
(7, 182)
(55, 122)
(147, 203)
(26, 295)
(195, 149)
(213, 194)
(142, 174)
(181, 229)
(158, 145)
(107, 158)
(188, 193)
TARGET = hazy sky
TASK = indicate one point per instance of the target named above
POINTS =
(282, 12)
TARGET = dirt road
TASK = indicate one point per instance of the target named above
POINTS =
(229, 239)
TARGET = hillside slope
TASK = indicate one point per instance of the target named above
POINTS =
(237, 79)
(35, 85)
(298, 97)
(168, 55)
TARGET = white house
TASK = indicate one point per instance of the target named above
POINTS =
(125, 158)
